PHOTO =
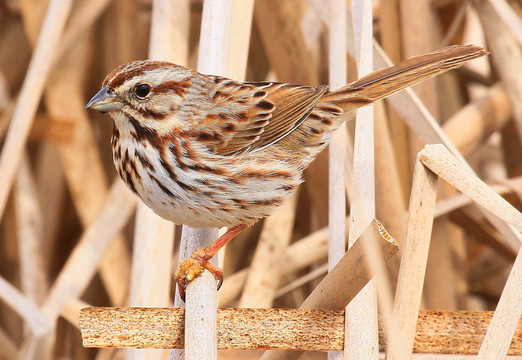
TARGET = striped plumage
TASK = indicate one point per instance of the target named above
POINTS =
(207, 151)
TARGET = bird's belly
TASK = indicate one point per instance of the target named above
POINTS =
(184, 212)
(207, 194)
(214, 204)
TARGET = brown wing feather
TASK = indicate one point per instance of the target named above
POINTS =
(251, 116)
(293, 104)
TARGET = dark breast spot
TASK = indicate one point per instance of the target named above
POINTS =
(241, 115)
(145, 163)
(229, 127)
(205, 136)
(163, 187)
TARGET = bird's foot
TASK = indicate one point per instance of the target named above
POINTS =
(193, 267)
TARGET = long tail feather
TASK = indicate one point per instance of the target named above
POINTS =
(382, 83)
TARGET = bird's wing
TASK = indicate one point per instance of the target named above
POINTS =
(252, 116)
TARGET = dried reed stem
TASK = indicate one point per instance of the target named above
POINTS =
(361, 314)
(413, 264)
(240, 27)
(296, 257)
(337, 75)
(82, 263)
(33, 269)
(480, 118)
(265, 271)
(506, 317)
(26, 308)
(506, 55)
(509, 17)
(82, 19)
(418, 118)
(57, 13)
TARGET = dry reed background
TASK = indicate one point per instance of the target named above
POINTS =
(60, 212)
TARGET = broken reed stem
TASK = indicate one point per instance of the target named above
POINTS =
(418, 118)
(413, 264)
(437, 332)
(439, 160)
(336, 290)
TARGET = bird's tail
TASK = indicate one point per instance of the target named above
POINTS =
(385, 82)
(338, 106)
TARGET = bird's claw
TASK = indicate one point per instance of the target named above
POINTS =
(193, 267)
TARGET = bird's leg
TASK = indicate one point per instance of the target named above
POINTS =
(192, 267)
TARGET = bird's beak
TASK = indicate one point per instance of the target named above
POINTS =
(104, 101)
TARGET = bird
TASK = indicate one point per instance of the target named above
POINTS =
(208, 151)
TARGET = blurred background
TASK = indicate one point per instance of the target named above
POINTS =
(65, 190)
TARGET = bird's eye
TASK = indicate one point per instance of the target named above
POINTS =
(142, 90)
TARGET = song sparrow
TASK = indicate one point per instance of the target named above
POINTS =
(207, 151)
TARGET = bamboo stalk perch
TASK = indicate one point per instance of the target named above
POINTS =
(201, 297)
(437, 332)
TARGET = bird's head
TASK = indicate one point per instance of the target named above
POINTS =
(144, 93)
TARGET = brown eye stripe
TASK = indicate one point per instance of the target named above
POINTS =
(179, 87)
